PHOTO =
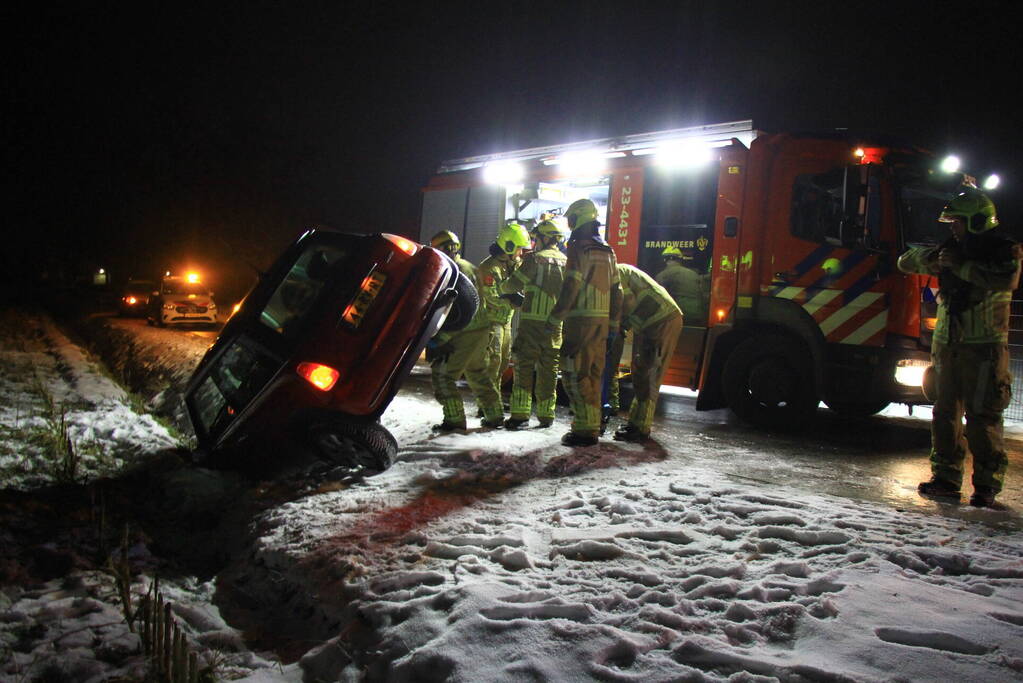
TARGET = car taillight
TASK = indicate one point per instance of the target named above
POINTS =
(406, 245)
(323, 377)
(131, 299)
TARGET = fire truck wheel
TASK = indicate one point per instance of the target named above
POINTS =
(463, 308)
(768, 382)
(360, 445)
(854, 409)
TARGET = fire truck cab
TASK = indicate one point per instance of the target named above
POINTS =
(794, 238)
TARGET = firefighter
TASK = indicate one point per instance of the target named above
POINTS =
(656, 322)
(451, 354)
(977, 271)
(535, 286)
(684, 284)
(589, 304)
(497, 313)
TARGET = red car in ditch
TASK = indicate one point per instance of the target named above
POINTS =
(319, 347)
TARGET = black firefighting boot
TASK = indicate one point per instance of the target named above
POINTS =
(575, 439)
(545, 422)
(515, 422)
(630, 432)
(938, 488)
(446, 426)
(496, 423)
(983, 497)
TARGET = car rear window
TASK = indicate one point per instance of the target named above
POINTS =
(231, 382)
(294, 297)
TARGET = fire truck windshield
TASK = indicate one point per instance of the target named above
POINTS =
(922, 195)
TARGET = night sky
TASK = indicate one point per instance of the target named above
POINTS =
(143, 138)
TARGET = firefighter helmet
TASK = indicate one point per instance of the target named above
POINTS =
(445, 239)
(975, 207)
(672, 252)
(548, 228)
(511, 237)
(580, 212)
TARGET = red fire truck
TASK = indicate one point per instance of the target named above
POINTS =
(795, 237)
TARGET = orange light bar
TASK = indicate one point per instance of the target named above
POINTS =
(406, 245)
(930, 323)
(323, 377)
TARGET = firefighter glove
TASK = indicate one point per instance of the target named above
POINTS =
(514, 298)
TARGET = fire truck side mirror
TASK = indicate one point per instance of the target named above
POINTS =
(854, 203)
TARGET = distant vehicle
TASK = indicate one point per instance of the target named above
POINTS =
(182, 300)
(319, 347)
(134, 299)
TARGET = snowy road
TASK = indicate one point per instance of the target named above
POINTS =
(720, 553)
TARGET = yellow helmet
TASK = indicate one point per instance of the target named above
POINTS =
(513, 236)
(548, 228)
(672, 252)
(974, 207)
(444, 238)
(580, 212)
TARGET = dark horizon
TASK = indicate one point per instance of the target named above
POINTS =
(156, 135)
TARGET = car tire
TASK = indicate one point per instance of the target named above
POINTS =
(360, 445)
(768, 382)
(463, 308)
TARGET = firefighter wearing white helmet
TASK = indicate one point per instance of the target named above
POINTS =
(452, 354)
(685, 286)
(590, 304)
(977, 271)
(496, 314)
(534, 286)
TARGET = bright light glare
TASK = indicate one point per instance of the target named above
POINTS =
(321, 376)
(588, 163)
(992, 182)
(911, 373)
(503, 173)
(950, 164)
(682, 155)
(192, 277)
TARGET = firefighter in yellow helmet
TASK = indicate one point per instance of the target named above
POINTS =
(452, 353)
(535, 286)
(656, 322)
(496, 313)
(590, 304)
(977, 271)
(685, 285)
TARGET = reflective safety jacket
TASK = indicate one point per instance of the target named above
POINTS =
(686, 288)
(981, 314)
(591, 288)
(645, 302)
(490, 274)
(539, 278)
(469, 271)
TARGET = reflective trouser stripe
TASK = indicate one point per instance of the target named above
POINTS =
(483, 373)
(536, 370)
(469, 348)
(972, 380)
(583, 352)
(652, 349)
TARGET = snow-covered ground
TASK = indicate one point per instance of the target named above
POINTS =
(504, 556)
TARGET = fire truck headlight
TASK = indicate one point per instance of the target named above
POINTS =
(992, 182)
(911, 372)
(503, 173)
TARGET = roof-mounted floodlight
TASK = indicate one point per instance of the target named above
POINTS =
(992, 182)
(950, 164)
(503, 173)
(683, 154)
(583, 163)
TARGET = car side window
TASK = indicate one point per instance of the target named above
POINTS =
(817, 205)
(300, 288)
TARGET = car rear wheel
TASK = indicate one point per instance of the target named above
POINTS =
(768, 382)
(348, 443)
(463, 308)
